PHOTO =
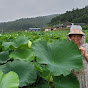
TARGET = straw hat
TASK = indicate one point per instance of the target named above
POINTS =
(76, 29)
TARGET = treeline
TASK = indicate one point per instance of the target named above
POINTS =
(26, 23)
(74, 16)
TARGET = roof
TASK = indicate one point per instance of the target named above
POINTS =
(34, 28)
(81, 24)
(58, 25)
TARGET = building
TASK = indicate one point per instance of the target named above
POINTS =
(67, 24)
(59, 26)
(81, 24)
(34, 29)
(48, 29)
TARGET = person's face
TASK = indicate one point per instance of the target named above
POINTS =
(76, 38)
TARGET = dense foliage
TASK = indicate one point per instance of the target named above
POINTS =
(9, 80)
(85, 27)
(39, 60)
(74, 16)
(26, 23)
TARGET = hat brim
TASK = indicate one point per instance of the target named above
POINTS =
(76, 31)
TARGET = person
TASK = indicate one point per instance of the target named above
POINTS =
(78, 37)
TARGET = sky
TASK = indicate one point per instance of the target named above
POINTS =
(11, 10)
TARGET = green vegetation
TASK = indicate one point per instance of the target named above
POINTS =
(85, 27)
(74, 16)
(39, 59)
(9, 80)
(26, 23)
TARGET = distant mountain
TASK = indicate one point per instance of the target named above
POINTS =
(74, 16)
(26, 23)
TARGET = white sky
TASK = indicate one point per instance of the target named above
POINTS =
(11, 10)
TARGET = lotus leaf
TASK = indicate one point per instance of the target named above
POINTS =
(4, 56)
(60, 57)
(20, 41)
(69, 81)
(24, 54)
(9, 80)
(25, 70)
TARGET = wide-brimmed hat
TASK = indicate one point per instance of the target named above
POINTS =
(76, 29)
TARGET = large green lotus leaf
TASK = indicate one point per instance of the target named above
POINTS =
(4, 56)
(20, 41)
(7, 44)
(25, 70)
(60, 56)
(9, 80)
(25, 54)
(69, 81)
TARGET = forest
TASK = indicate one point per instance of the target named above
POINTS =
(74, 16)
(26, 23)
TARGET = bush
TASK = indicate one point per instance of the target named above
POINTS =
(85, 27)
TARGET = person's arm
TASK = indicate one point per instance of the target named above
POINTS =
(83, 51)
(86, 56)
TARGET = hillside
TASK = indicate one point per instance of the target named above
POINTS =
(26, 23)
(74, 16)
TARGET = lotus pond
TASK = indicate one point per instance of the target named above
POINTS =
(39, 60)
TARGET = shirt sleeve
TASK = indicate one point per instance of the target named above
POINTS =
(86, 47)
